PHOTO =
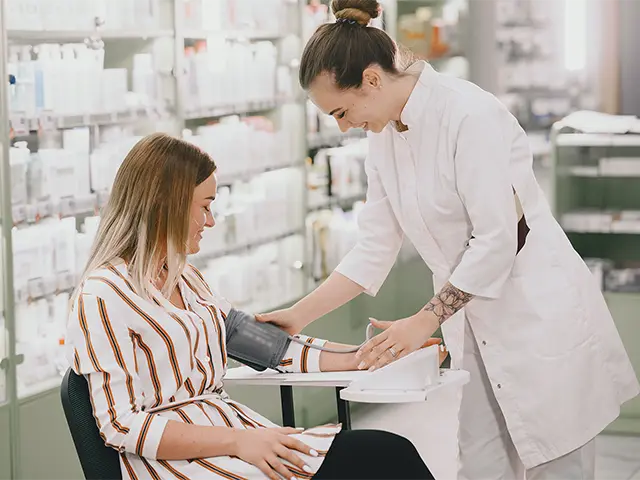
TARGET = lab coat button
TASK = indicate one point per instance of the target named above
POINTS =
(484, 342)
(499, 386)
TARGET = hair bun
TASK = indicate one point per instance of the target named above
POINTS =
(360, 11)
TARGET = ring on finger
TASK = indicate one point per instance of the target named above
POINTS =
(393, 353)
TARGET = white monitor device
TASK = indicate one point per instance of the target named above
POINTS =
(415, 372)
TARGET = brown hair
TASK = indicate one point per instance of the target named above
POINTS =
(349, 46)
(146, 220)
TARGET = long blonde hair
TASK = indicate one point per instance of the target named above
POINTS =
(146, 220)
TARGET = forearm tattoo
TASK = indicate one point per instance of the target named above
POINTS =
(447, 302)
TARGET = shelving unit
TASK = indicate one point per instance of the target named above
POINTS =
(167, 38)
(27, 36)
(331, 193)
(435, 30)
(9, 411)
(596, 199)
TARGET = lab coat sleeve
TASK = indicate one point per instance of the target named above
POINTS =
(379, 239)
(482, 158)
(102, 350)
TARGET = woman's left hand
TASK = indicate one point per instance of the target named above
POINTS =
(399, 339)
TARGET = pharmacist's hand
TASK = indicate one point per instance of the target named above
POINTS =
(399, 339)
(286, 319)
(267, 448)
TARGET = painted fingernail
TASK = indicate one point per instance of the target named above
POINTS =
(372, 368)
(313, 453)
(307, 469)
(361, 366)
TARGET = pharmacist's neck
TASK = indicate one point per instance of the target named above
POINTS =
(404, 88)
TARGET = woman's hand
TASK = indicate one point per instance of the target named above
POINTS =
(399, 339)
(287, 319)
(266, 448)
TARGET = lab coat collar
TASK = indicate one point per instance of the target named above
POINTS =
(414, 108)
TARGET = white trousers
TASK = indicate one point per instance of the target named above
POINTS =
(486, 451)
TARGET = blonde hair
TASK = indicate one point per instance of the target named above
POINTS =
(146, 220)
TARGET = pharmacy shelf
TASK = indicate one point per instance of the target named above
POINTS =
(40, 288)
(23, 124)
(599, 208)
(344, 203)
(597, 140)
(595, 172)
(249, 174)
(79, 36)
(239, 35)
(537, 92)
(62, 208)
(445, 57)
(236, 109)
(273, 305)
(199, 260)
(175, 120)
(603, 222)
(324, 140)
(604, 231)
(32, 392)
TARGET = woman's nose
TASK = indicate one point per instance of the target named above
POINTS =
(209, 220)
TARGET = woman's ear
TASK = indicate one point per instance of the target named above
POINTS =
(371, 78)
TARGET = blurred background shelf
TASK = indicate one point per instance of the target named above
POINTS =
(79, 36)
(600, 211)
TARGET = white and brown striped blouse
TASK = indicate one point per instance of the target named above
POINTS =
(151, 362)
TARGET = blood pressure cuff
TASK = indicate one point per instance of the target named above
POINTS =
(256, 344)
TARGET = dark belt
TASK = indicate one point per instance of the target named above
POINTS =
(523, 231)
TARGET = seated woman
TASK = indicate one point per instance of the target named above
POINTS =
(150, 338)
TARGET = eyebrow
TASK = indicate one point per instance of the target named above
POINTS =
(334, 111)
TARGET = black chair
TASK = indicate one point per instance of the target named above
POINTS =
(98, 461)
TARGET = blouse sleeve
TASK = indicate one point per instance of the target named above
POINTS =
(379, 238)
(102, 350)
(300, 358)
(482, 167)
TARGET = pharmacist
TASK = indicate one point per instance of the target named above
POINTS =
(450, 169)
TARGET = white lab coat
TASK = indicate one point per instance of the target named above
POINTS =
(549, 344)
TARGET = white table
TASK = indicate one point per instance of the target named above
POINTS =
(340, 381)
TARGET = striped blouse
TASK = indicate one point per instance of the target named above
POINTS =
(148, 362)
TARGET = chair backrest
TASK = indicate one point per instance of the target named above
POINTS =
(98, 461)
